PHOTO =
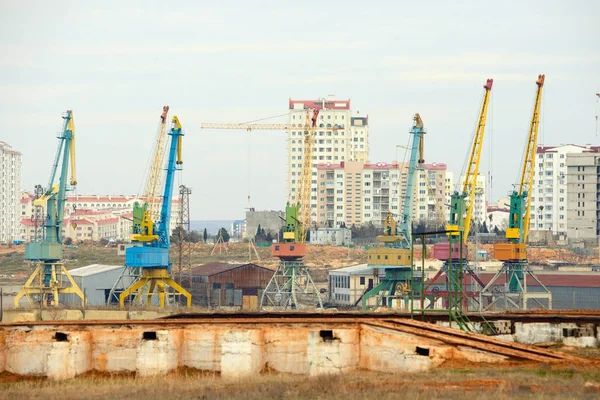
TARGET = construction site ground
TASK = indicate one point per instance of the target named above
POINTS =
(448, 382)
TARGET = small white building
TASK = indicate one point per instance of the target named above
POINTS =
(348, 285)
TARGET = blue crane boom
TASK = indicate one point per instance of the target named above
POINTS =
(416, 151)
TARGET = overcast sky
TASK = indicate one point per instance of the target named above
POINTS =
(116, 63)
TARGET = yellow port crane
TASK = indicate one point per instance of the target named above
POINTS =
(513, 252)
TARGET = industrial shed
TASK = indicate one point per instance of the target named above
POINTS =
(95, 281)
(224, 284)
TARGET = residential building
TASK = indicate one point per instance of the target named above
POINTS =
(480, 206)
(96, 217)
(238, 228)
(270, 221)
(498, 214)
(10, 192)
(341, 136)
(331, 236)
(549, 192)
(449, 189)
(583, 201)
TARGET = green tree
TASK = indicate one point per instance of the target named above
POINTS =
(224, 234)
(205, 235)
(484, 228)
(68, 241)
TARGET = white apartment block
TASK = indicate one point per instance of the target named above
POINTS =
(96, 216)
(583, 199)
(10, 192)
(348, 142)
(480, 206)
(549, 191)
(449, 189)
(429, 202)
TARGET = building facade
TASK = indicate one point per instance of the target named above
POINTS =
(10, 193)
(348, 285)
(549, 192)
(340, 136)
(430, 202)
(583, 201)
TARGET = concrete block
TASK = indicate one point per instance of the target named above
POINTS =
(140, 314)
(26, 351)
(9, 316)
(62, 315)
(241, 352)
(158, 352)
(115, 350)
(583, 341)
(508, 338)
(201, 349)
(286, 350)
(332, 351)
(537, 333)
(105, 315)
(69, 355)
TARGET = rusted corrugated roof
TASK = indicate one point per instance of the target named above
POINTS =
(214, 268)
(554, 280)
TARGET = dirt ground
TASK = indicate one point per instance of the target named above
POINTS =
(528, 382)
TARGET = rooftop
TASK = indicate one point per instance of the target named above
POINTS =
(219, 267)
(93, 269)
(359, 269)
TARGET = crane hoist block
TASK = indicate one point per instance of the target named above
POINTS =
(441, 251)
(510, 251)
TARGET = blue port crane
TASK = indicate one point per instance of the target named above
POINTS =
(151, 256)
(50, 277)
(395, 256)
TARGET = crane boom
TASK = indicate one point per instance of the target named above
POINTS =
(304, 184)
(470, 182)
(529, 160)
(267, 127)
(153, 180)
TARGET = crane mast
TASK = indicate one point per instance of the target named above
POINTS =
(48, 252)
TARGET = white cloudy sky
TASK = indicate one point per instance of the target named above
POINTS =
(116, 63)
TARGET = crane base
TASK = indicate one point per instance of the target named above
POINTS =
(48, 282)
(291, 287)
(153, 282)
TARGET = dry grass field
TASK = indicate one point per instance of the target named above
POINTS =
(530, 382)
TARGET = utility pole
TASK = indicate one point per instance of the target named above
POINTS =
(185, 233)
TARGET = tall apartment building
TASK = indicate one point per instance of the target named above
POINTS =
(10, 193)
(448, 190)
(549, 191)
(348, 142)
(355, 193)
(480, 208)
(583, 196)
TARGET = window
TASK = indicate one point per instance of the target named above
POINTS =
(362, 280)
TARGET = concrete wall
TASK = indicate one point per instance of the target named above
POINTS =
(582, 177)
(233, 350)
(331, 236)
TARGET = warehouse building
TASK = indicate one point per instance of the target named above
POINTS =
(95, 281)
(224, 284)
(348, 285)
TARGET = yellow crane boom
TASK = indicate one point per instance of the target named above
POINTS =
(153, 180)
(470, 182)
(528, 170)
(304, 184)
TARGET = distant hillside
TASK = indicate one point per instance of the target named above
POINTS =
(212, 226)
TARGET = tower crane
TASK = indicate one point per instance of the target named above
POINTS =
(454, 252)
(149, 209)
(291, 284)
(152, 256)
(47, 281)
(395, 257)
(513, 253)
